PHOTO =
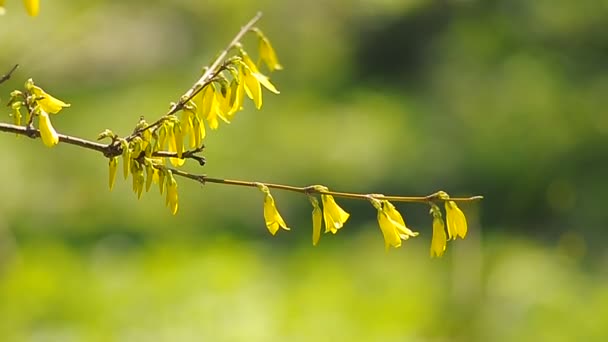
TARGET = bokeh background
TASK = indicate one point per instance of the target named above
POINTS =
(501, 98)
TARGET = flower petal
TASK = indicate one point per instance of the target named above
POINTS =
(48, 134)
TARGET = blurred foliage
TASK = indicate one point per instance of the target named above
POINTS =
(495, 97)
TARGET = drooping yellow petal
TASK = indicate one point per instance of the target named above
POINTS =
(48, 134)
(456, 221)
(237, 94)
(113, 165)
(32, 7)
(317, 220)
(161, 180)
(47, 102)
(439, 240)
(392, 213)
(261, 78)
(253, 89)
(16, 106)
(389, 230)
(268, 55)
(172, 197)
(171, 139)
(333, 214)
(126, 158)
(198, 128)
(178, 137)
(273, 218)
(149, 177)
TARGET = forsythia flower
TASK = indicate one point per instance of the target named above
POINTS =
(438, 242)
(16, 106)
(392, 224)
(172, 199)
(273, 219)
(268, 55)
(46, 102)
(48, 134)
(252, 78)
(334, 216)
(113, 164)
(32, 7)
(317, 220)
(456, 221)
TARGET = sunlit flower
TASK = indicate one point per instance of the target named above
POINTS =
(392, 225)
(16, 106)
(439, 240)
(317, 220)
(258, 75)
(173, 140)
(273, 218)
(113, 164)
(209, 106)
(334, 216)
(47, 102)
(48, 134)
(268, 55)
(172, 198)
(32, 7)
(161, 181)
(456, 221)
(126, 158)
(236, 96)
(253, 80)
(252, 88)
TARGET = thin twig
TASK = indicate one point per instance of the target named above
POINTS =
(108, 150)
(8, 75)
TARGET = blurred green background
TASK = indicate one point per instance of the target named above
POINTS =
(501, 98)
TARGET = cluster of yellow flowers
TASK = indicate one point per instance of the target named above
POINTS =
(392, 224)
(218, 99)
(38, 104)
(31, 6)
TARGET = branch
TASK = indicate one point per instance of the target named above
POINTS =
(108, 150)
(8, 75)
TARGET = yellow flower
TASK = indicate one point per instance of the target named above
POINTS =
(209, 106)
(161, 180)
(317, 220)
(235, 102)
(32, 7)
(172, 198)
(439, 240)
(268, 55)
(273, 219)
(173, 139)
(392, 224)
(456, 221)
(47, 102)
(334, 216)
(48, 134)
(2, 9)
(16, 106)
(253, 88)
(126, 158)
(113, 166)
(258, 75)
(198, 129)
